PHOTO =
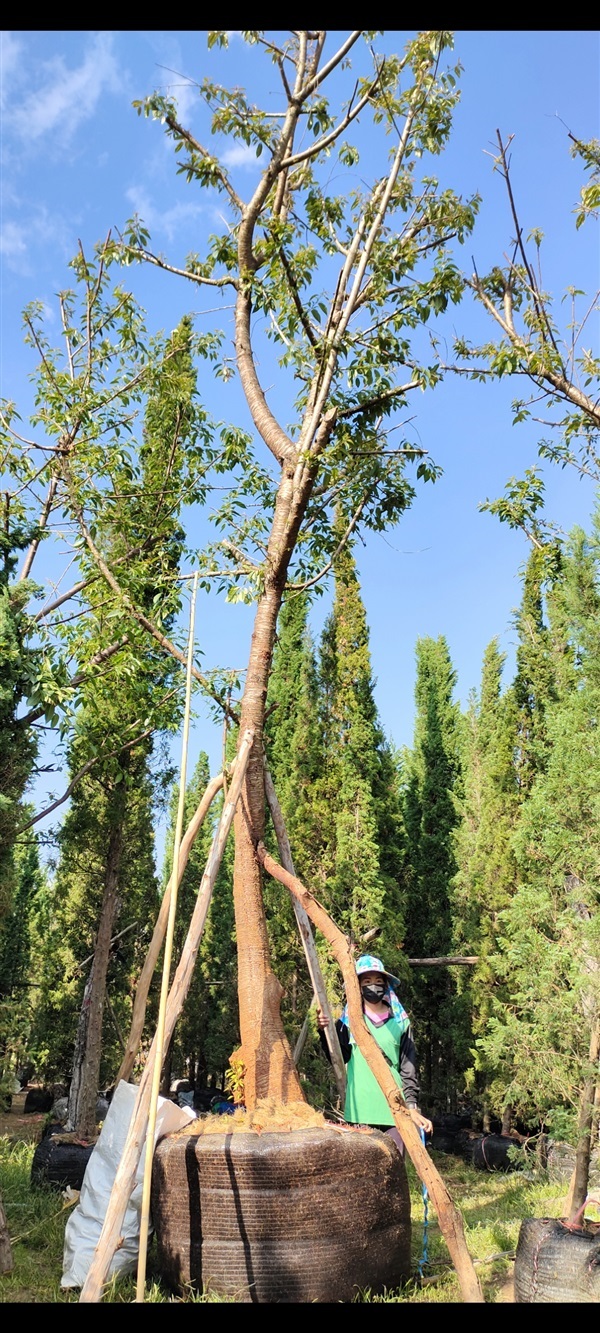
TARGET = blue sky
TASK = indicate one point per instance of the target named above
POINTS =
(77, 160)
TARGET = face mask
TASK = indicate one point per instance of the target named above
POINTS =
(374, 991)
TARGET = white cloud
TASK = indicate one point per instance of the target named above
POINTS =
(68, 96)
(12, 240)
(10, 50)
(169, 220)
(186, 96)
(240, 155)
(20, 240)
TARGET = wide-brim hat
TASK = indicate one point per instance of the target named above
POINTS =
(367, 963)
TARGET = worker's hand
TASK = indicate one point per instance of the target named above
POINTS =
(419, 1120)
(322, 1019)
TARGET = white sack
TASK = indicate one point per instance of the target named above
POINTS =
(85, 1223)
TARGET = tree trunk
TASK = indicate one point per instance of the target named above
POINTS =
(585, 1127)
(6, 1257)
(88, 1044)
(507, 1119)
(269, 1069)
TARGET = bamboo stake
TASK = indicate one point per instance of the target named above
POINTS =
(451, 1224)
(308, 943)
(164, 990)
(125, 1177)
(141, 994)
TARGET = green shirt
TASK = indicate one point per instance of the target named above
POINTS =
(365, 1103)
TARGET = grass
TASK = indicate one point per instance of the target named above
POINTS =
(492, 1206)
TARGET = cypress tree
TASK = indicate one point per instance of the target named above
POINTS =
(432, 784)
(541, 1040)
(295, 756)
(361, 833)
(486, 874)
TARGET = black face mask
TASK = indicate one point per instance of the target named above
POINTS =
(374, 991)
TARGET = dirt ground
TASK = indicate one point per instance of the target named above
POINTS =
(18, 1127)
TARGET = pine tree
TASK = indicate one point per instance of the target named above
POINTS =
(432, 784)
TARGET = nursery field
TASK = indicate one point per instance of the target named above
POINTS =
(492, 1205)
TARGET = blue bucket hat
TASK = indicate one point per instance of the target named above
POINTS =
(367, 963)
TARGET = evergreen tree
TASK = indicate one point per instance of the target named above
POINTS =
(208, 1029)
(18, 670)
(295, 754)
(361, 840)
(486, 874)
(19, 978)
(432, 784)
(16, 938)
(540, 1039)
(120, 807)
(534, 686)
(139, 506)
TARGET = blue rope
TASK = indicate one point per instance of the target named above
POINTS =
(425, 1256)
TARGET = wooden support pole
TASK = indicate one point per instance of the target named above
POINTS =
(124, 1182)
(6, 1255)
(141, 995)
(451, 1224)
(164, 990)
(308, 943)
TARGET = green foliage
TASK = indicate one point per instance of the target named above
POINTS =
(538, 1037)
(67, 919)
(295, 754)
(432, 782)
(360, 836)
(19, 664)
(486, 874)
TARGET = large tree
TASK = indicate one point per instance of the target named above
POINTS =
(337, 282)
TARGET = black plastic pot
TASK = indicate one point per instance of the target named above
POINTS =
(487, 1152)
(300, 1216)
(555, 1263)
(60, 1164)
(443, 1140)
(38, 1099)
